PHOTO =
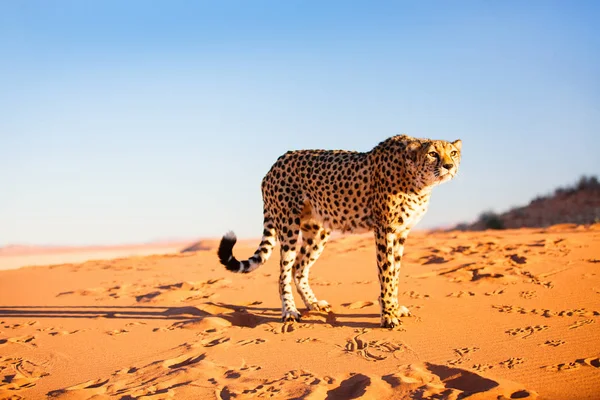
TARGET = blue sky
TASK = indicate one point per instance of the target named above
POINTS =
(142, 120)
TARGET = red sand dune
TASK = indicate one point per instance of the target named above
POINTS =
(496, 315)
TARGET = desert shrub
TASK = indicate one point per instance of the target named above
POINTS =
(584, 183)
(587, 182)
(491, 220)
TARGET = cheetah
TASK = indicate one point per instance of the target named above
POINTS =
(307, 194)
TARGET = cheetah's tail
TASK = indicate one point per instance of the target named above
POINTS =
(261, 255)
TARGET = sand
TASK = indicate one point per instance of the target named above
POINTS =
(496, 315)
(17, 256)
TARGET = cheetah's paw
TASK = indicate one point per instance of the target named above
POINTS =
(388, 321)
(404, 312)
(290, 316)
(320, 305)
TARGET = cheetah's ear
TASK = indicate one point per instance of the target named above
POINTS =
(413, 149)
(458, 144)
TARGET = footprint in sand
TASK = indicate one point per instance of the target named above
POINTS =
(307, 340)
(135, 323)
(206, 324)
(117, 332)
(235, 373)
(18, 374)
(482, 367)
(358, 304)
(433, 381)
(371, 350)
(581, 323)
(524, 333)
(295, 381)
(26, 340)
(251, 341)
(434, 259)
(465, 350)
(536, 280)
(579, 312)
(461, 294)
(414, 295)
(517, 259)
(593, 362)
(495, 292)
(512, 362)
(18, 325)
(214, 342)
(528, 294)
(553, 343)
(56, 332)
(462, 353)
(158, 378)
(183, 361)
(287, 327)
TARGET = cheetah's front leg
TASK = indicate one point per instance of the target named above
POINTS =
(389, 254)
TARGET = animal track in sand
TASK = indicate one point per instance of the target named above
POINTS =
(512, 362)
(151, 293)
(544, 312)
(528, 294)
(278, 388)
(206, 324)
(517, 259)
(325, 283)
(433, 259)
(237, 373)
(214, 342)
(26, 340)
(307, 339)
(18, 325)
(524, 333)
(136, 323)
(251, 341)
(495, 292)
(580, 323)
(536, 280)
(482, 367)
(465, 350)
(414, 295)
(287, 327)
(553, 343)
(117, 332)
(373, 350)
(462, 352)
(471, 272)
(461, 293)
(358, 304)
(55, 332)
(18, 374)
(593, 362)
(431, 381)
(158, 378)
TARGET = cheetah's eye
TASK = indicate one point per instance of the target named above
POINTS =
(453, 153)
(433, 154)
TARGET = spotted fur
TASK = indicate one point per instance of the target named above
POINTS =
(309, 193)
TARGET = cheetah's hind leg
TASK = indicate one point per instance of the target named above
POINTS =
(314, 238)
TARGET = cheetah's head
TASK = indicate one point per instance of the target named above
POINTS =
(436, 161)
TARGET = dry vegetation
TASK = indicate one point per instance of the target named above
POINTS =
(578, 204)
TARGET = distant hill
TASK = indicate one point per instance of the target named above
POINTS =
(578, 204)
